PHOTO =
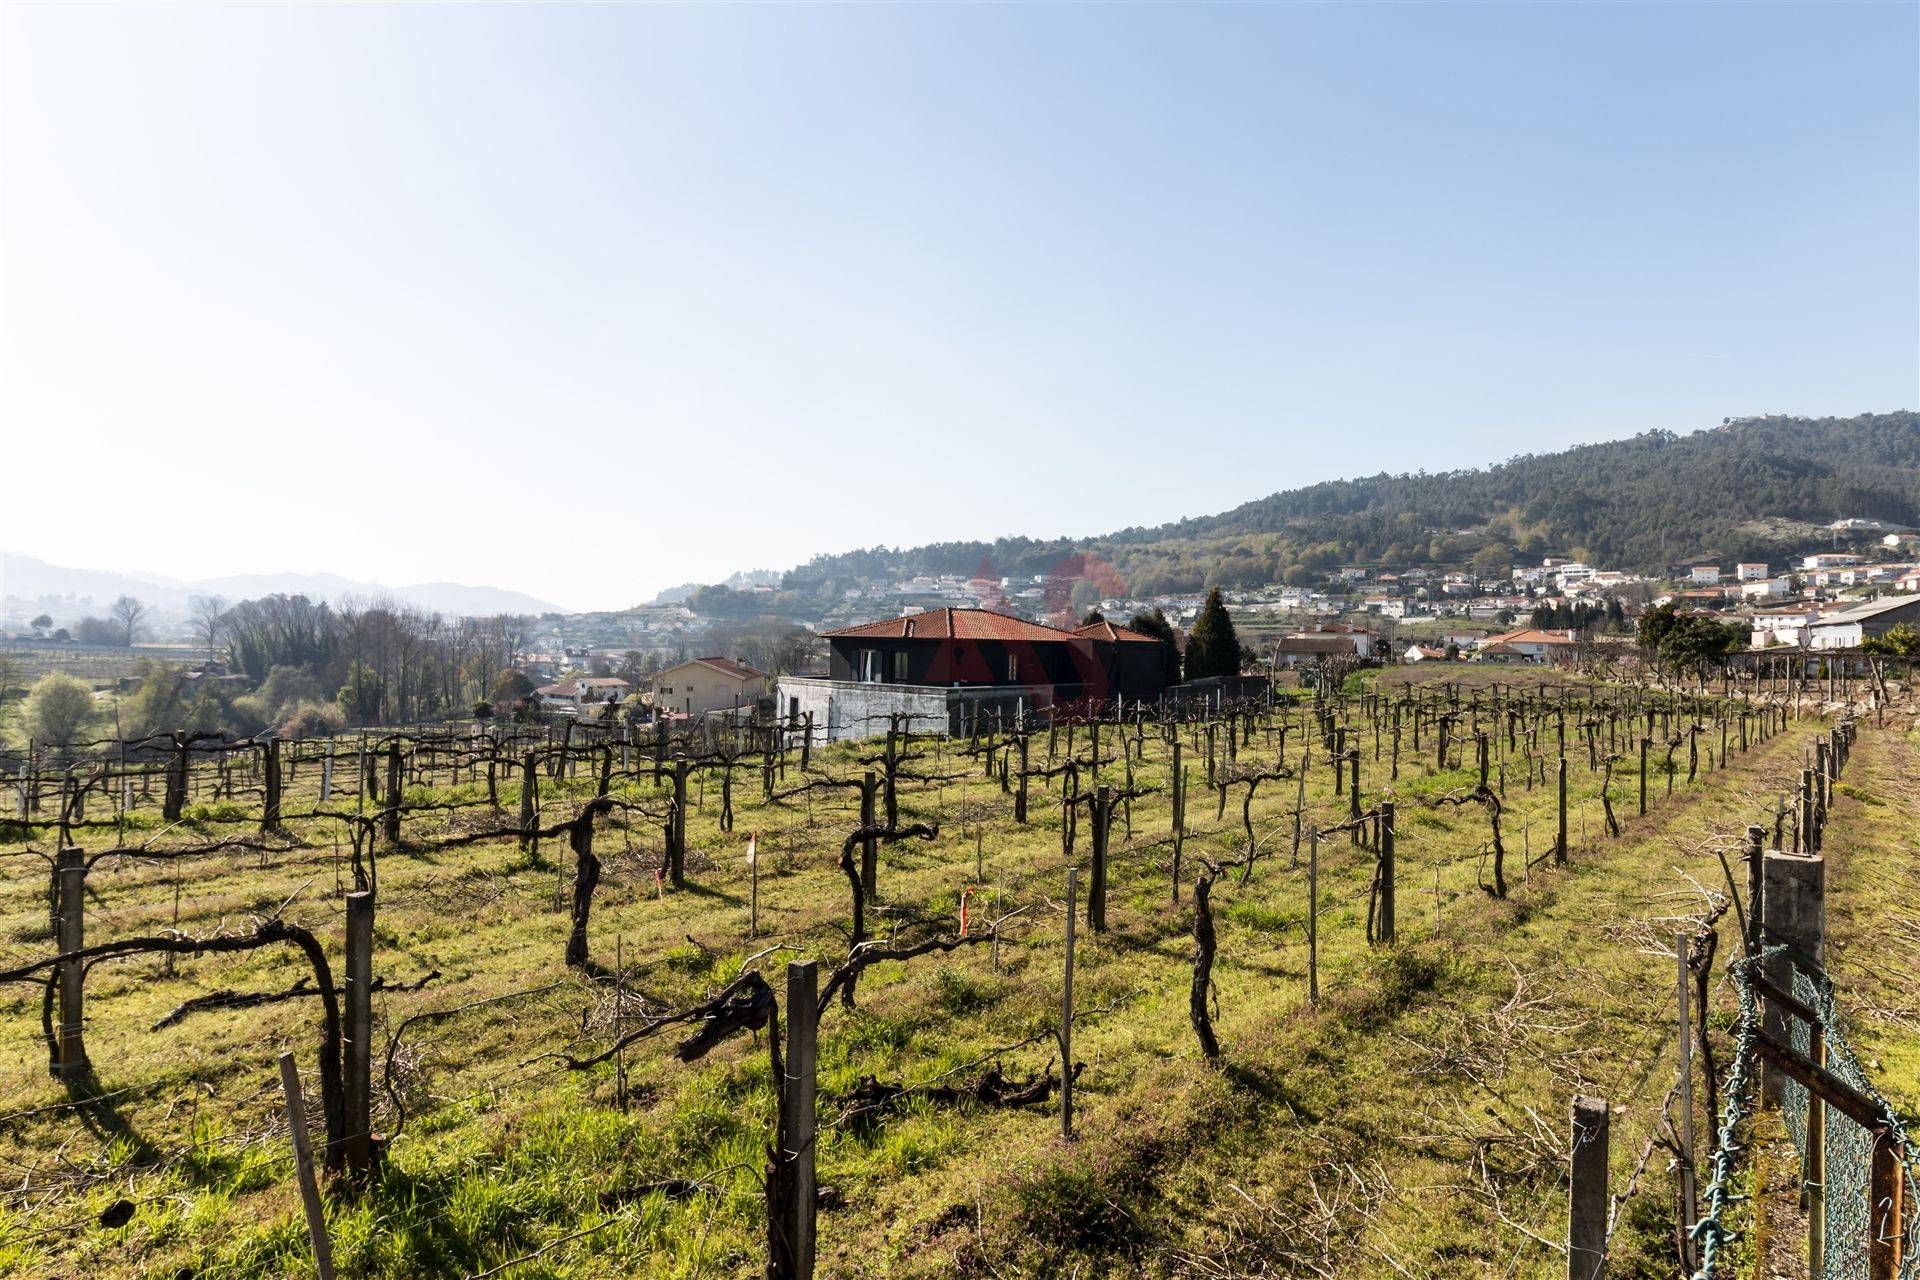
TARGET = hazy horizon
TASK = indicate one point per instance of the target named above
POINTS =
(586, 302)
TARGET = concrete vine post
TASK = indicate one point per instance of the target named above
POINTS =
(793, 1213)
(71, 867)
(1066, 1014)
(1587, 1196)
(359, 1033)
(870, 846)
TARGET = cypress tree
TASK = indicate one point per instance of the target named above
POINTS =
(1213, 649)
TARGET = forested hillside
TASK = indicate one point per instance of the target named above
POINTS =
(1744, 490)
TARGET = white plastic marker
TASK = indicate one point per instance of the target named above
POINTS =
(753, 865)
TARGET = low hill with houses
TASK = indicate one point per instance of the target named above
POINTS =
(1752, 489)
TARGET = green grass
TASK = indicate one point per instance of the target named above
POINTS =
(1339, 1135)
(1873, 923)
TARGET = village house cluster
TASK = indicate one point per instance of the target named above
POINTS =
(1019, 638)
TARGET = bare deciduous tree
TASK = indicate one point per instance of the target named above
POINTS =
(131, 614)
(209, 621)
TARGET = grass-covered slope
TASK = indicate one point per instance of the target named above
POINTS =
(1410, 1123)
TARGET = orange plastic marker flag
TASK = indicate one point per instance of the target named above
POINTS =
(659, 885)
(965, 894)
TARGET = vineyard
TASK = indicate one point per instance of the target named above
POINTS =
(1302, 988)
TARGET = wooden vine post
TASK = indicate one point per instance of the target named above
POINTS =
(1646, 744)
(1020, 795)
(1386, 872)
(1097, 886)
(870, 846)
(1313, 916)
(270, 777)
(176, 796)
(303, 1166)
(1177, 782)
(1560, 838)
(677, 825)
(529, 805)
(390, 816)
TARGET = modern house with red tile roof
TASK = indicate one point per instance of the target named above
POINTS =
(971, 648)
(951, 666)
(1501, 651)
(1139, 660)
(1533, 645)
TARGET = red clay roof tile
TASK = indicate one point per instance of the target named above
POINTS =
(955, 624)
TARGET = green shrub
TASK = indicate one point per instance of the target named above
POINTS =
(1080, 1209)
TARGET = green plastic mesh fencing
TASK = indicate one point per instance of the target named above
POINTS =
(1848, 1148)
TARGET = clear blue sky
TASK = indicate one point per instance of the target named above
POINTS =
(585, 301)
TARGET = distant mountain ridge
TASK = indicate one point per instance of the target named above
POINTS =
(27, 580)
(1754, 488)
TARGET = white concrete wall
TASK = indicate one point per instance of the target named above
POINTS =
(845, 711)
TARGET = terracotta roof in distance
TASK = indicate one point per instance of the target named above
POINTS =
(1104, 630)
(738, 670)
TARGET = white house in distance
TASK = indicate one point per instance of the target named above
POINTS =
(575, 694)
(1849, 627)
(1705, 575)
(1829, 560)
(1765, 588)
(1573, 571)
(702, 686)
(1750, 570)
(1387, 606)
(1786, 625)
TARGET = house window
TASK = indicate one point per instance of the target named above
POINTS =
(899, 668)
(1013, 667)
(867, 669)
